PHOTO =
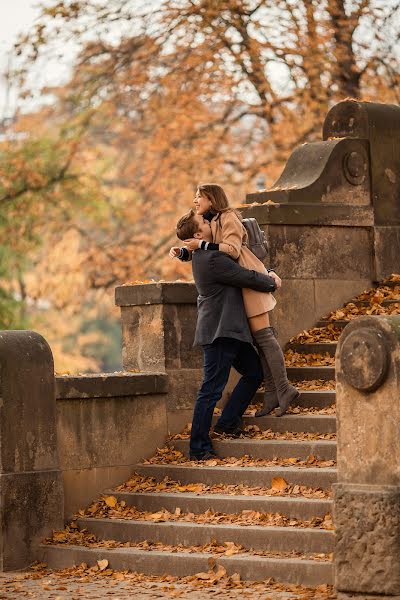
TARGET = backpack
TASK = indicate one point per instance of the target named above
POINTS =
(257, 242)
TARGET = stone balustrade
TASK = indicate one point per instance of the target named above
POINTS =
(367, 495)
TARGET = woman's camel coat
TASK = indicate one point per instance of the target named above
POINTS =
(233, 241)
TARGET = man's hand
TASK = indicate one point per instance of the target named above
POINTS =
(174, 252)
(276, 278)
(192, 244)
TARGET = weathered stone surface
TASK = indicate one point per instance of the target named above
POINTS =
(109, 385)
(387, 251)
(367, 496)
(31, 494)
(183, 385)
(179, 328)
(333, 171)
(368, 433)
(364, 359)
(295, 308)
(156, 293)
(332, 293)
(28, 439)
(101, 439)
(307, 213)
(367, 545)
(159, 337)
(143, 338)
(380, 124)
(31, 505)
(109, 431)
(306, 252)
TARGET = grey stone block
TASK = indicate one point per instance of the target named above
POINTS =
(367, 543)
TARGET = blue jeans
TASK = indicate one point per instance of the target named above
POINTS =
(219, 357)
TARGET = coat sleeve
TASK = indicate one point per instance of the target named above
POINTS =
(227, 271)
(232, 234)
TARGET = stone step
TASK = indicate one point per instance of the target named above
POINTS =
(268, 449)
(314, 477)
(257, 537)
(339, 324)
(251, 568)
(314, 348)
(309, 399)
(292, 422)
(384, 303)
(295, 507)
(308, 373)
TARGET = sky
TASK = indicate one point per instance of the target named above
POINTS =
(15, 16)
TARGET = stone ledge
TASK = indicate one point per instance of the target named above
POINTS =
(307, 214)
(110, 385)
(168, 292)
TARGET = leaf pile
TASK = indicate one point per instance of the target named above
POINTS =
(109, 507)
(310, 385)
(296, 410)
(313, 410)
(170, 456)
(139, 483)
(73, 536)
(372, 302)
(296, 359)
(326, 334)
(255, 433)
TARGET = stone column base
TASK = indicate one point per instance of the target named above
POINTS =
(367, 541)
(31, 506)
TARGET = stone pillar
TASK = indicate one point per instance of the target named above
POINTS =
(31, 492)
(367, 495)
(158, 323)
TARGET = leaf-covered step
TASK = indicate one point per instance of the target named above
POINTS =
(268, 449)
(314, 348)
(303, 422)
(257, 537)
(309, 373)
(293, 506)
(247, 566)
(314, 477)
(314, 397)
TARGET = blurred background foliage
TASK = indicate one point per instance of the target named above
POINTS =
(95, 170)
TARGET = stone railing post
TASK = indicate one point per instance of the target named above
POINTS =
(367, 495)
(31, 490)
(158, 323)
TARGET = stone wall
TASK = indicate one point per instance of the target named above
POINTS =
(105, 425)
(158, 322)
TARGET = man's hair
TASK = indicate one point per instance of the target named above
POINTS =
(186, 227)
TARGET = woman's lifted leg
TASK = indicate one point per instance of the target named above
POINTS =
(278, 390)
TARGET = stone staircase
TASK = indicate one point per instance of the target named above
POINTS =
(262, 510)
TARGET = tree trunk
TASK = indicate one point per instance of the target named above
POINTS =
(346, 74)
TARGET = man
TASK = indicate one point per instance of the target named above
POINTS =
(223, 332)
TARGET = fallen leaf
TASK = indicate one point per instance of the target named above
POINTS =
(278, 483)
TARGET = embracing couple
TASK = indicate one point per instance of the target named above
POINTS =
(233, 316)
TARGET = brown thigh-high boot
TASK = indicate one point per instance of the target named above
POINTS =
(270, 348)
(270, 400)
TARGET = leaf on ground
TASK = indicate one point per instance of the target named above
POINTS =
(278, 483)
(111, 501)
(102, 564)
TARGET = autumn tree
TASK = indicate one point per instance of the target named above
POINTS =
(168, 93)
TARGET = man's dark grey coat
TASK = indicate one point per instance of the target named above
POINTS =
(219, 280)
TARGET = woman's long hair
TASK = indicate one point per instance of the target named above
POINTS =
(216, 195)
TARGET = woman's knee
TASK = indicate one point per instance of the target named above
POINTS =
(259, 322)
